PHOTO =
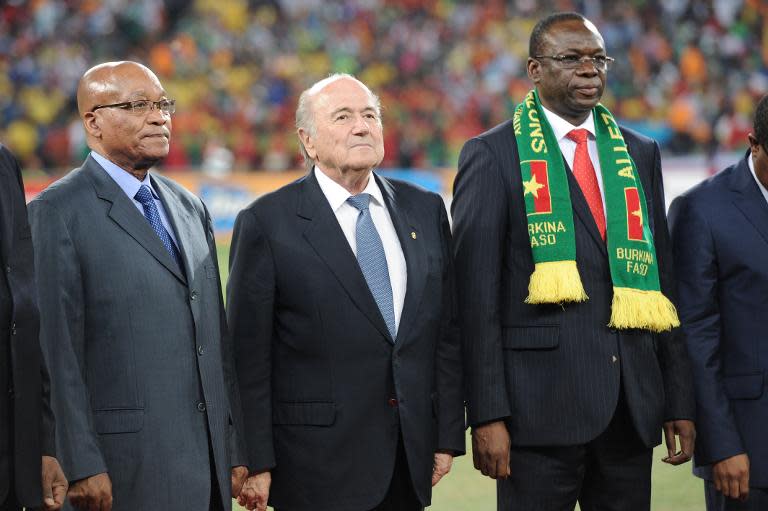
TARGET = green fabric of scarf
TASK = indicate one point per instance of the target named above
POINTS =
(637, 298)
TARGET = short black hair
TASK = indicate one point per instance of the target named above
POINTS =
(536, 41)
(760, 126)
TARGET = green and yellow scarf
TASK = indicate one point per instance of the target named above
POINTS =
(637, 299)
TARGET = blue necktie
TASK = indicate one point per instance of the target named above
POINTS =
(372, 260)
(152, 214)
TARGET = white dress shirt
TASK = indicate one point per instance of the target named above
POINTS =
(561, 128)
(751, 164)
(347, 215)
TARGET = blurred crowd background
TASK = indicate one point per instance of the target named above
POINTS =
(687, 72)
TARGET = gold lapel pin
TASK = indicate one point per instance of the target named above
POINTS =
(413, 234)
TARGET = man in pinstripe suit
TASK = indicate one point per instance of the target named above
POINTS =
(563, 408)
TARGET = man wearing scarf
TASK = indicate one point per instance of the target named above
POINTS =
(572, 358)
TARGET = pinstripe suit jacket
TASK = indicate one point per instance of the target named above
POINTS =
(554, 372)
(136, 347)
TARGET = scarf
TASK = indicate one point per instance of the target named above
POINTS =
(637, 298)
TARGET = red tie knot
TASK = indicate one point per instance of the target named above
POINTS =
(578, 135)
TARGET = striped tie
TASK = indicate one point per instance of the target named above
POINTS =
(152, 214)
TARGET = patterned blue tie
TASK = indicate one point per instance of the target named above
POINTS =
(144, 196)
(372, 260)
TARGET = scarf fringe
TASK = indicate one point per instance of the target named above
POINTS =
(555, 282)
(637, 308)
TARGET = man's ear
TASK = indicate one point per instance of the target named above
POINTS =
(307, 142)
(754, 145)
(534, 70)
(92, 124)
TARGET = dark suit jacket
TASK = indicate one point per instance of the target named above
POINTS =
(33, 420)
(555, 372)
(720, 236)
(316, 365)
(137, 348)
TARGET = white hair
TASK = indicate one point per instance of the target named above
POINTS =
(305, 118)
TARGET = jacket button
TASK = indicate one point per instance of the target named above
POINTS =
(392, 402)
(13, 328)
(8, 269)
(194, 295)
(200, 406)
(200, 350)
(11, 393)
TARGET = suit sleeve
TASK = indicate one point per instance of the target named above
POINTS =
(250, 303)
(47, 433)
(63, 341)
(696, 264)
(479, 226)
(672, 353)
(236, 448)
(450, 435)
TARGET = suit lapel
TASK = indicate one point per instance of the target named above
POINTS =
(6, 214)
(413, 251)
(749, 199)
(125, 214)
(181, 222)
(325, 236)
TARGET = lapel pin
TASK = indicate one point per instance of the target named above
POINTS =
(413, 234)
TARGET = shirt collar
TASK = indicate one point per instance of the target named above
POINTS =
(337, 195)
(561, 127)
(126, 181)
(762, 188)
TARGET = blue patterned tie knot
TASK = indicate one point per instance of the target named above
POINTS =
(152, 214)
(373, 260)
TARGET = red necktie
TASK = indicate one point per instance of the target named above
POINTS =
(584, 173)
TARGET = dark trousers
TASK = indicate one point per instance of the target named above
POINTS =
(610, 473)
(400, 496)
(716, 501)
(10, 503)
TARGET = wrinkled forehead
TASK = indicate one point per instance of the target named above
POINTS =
(574, 35)
(345, 93)
(125, 83)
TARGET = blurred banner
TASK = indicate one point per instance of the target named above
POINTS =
(226, 195)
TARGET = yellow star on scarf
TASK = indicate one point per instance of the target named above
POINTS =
(639, 214)
(532, 187)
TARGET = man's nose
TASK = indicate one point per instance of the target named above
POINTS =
(156, 116)
(361, 125)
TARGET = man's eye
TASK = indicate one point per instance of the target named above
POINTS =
(342, 117)
(569, 59)
(140, 105)
(600, 59)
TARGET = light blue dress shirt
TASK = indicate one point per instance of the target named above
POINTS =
(130, 185)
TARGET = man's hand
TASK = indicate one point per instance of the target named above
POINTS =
(255, 492)
(731, 476)
(92, 493)
(54, 484)
(490, 449)
(441, 466)
(686, 430)
(239, 475)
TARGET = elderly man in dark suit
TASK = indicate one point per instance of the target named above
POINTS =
(132, 324)
(563, 275)
(720, 237)
(341, 305)
(26, 420)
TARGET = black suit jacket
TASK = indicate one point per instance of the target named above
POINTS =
(720, 236)
(317, 368)
(33, 420)
(554, 372)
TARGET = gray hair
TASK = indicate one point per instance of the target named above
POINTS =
(305, 118)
